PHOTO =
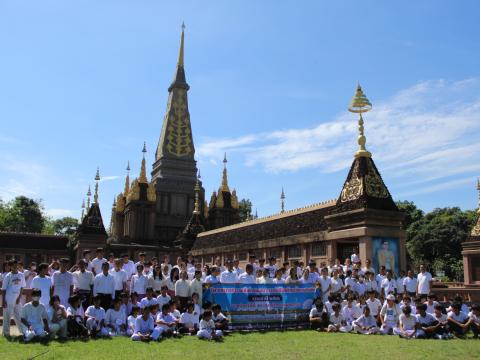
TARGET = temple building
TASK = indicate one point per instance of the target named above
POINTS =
(363, 220)
(471, 251)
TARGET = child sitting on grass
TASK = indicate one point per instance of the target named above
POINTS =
(207, 328)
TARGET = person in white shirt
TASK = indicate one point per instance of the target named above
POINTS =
(95, 315)
(98, 262)
(30, 273)
(119, 278)
(87, 254)
(196, 286)
(410, 283)
(207, 328)
(264, 278)
(166, 264)
(128, 266)
(83, 283)
(431, 303)
(155, 280)
(34, 318)
(76, 318)
(337, 321)
(44, 283)
(139, 283)
(380, 276)
(325, 283)
(229, 276)
(278, 279)
(428, 325)
(424, 279)
(111, 261)
(247, 277)
(458, 321)
(236, 267)
(313, 275)
(182, 289)
(115, 319)
(163, 298)
(474, 316)
(189, 321)
(366, 324)
(373, 304)
(145, 329)
(213, 277)
(57, 318)
(104, 287)
(318, 315)
(12, 286)
(149, 300)
(350, 312)
(63, 282)
(370, 281)
(389, 315)
(407, 324)
(389, 285)
(336, 284)
(272, 266)
(400, 287)
(131, 320)
(368, 267)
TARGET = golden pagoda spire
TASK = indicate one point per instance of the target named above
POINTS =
(89, 194)
(114, 202)
(143, 173)
(97, 179)
(127, 181)
(224, 176)
(180, 52)
(359, 105)
(282, 201)
(196, 210)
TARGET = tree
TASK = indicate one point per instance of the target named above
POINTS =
(245, 209)
(412, 213)
(22, 215)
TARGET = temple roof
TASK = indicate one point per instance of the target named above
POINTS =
(9, 240)
(92, 223)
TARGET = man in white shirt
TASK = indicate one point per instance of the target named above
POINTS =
(368, 267)
(63, 282)
(213, 278)
(12, 286)
(229, 276)
(380, 276)
(119, 277)
(141, 259)
(87, 257)
(325, 283)
(425, 280)
(34, 318)
(82, 283)
(104, 286)
(236, 267)
(43, 283)
(389, 285)
(98, 262)
(247, 277)
(272, 266)
(166, 262)
(313, 274)
(410, 283)
(128, 266)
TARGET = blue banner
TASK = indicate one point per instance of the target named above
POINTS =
(263, 306)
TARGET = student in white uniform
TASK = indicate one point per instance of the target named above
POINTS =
(366, 324)
(95, 315)
(57, 318)
(139, 283)
(272, 266)
(248, 276)
(410, 283)
(63, 282)
(98, 261)
(76, 318)
(407, 324)
(145, 329)
(115, 320)
(373, 304)
(12, 286)
(389, 315)
(326, 284)
(458, 321)
(229, 276)
(44, 283)
(207, 328)
(337, 322)
(34, 318)
(213, 278)
(424, 282)
(119, 278)
(128, 265)
(189, 321)
(104, 286)
(83, 283)
(131, 320)
(196, 286)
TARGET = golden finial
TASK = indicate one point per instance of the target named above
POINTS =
(360, 104)
(89, 193)
(225, 177)
(282, 201)
(127, 181)
(143, 173)
(97, 179)
(114, 202)
(180, 53)
(196, 210)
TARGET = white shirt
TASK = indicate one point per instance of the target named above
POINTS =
(374, 305)
(97, 313)
(424, 282)
(162, 300)
(410, 284)
(325, 282)
(113, 317)
(139, 284)
(104, 284)
(408, 323)
(82, 280)
(189, 319)
(144, 326)
(34, 314)
(45, 285)
(461, 317)
(228, 277)
(119, 278)
(182, 288)
(13, 283)
(210, 279)
(427, 320)
(97, 265)
(145, 302)
(247, 279)
(207, 325)
(337, 284)
(196, 287)
(62, 282)
(400, 288)
(388, 286)
(76, 312)
(129, 268)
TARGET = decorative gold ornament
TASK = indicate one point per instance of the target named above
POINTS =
(179, 133)
(97, 179)
(151, 193)
(213, 200)
(134, 193)
(234, 199)
(220, 203)
(142, 179)
(120, 203)
(353, 189)
(360, 104)
(127, 181)
(374, 185)
(225, 187)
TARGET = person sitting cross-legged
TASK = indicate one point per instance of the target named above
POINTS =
(366, 324)
(458, 322)
(207, 328)
(145, 329)
(95, 315)
(57, 318)
(318, 316)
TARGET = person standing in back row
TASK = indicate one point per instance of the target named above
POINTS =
(424, 282)
(63, 282)
(12, 286)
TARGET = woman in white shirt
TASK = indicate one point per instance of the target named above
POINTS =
(292, 279)
(155, 280)
(278, 277)
(182, 289)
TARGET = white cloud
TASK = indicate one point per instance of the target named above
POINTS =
(59, 213)
(109, 178)
(422, 134)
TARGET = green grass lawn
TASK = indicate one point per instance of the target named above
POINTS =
(272, 345)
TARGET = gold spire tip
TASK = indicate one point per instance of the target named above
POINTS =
(97, 175)
(128, 166)
(144, 150)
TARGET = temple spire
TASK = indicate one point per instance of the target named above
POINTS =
(282, 201)
(97, 179)
(478, 189)
(224, 176)
(83, 210)
(196, 210)
(127, 180)
(360, 104)
(179, 80)
(89, 194)
(181, 51)
(143, 173)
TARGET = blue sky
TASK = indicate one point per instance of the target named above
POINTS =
(84, 83)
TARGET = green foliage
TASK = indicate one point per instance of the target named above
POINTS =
(22, 215)
(435, 238)
(245, 209)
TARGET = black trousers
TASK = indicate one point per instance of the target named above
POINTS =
(106, 301)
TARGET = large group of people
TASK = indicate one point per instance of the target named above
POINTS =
(148, 299)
